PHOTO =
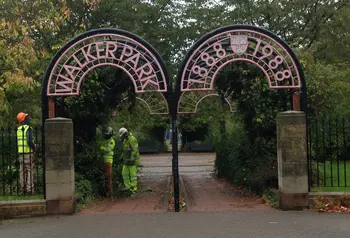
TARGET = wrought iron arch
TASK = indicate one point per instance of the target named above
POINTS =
(196, 75)
(108, 47)
(238, 43)
(101, 47)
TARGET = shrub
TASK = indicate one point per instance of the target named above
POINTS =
(89, 167)
(251, 163)
(83, 187)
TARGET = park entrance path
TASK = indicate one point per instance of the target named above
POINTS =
(150, 198)
(152, 191)
(202, 191)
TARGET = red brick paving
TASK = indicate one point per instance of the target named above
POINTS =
(144, 202)
(206, 193)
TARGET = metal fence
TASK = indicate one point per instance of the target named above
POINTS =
(329, 154)
(21, 174)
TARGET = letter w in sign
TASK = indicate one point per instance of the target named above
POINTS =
(66, 84)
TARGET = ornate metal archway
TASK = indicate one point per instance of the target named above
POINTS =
(238, 43)
(197, 73)
(107, 47)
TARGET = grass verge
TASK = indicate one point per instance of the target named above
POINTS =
(331, 176)
(15, 198)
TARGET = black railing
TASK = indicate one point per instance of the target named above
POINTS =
(21, 167)
(329, 154)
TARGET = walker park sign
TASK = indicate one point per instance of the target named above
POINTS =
(109, 47)
(137, 61)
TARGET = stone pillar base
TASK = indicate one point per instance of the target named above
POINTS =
(296, 201)
(54, 207)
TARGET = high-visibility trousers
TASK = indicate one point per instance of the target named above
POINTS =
(129, 174)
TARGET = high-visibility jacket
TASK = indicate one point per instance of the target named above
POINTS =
(108, 150)
(22, 140)
(131, 155)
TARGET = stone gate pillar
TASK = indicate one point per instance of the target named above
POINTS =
(59, 166)
(292, 160)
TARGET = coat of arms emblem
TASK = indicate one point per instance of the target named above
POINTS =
(239, 44)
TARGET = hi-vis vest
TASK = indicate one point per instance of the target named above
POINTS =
(22, 143)
(131, 151)
(108, 150)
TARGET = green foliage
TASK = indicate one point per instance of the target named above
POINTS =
(140, 122)
(246, 154)
(101, 94)
(148, 129)
(327, 87)
(83, 187)
(89, 168)
(22, 54)
(272, 198)
(245, 162)
(211, 113)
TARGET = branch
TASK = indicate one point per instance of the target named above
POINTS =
(324, 18)
(162, 8)
(250, 13)
(306, 24)
(10, 40)
(111, 8)
(314, 32)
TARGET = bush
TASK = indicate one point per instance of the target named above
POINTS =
(89, 168)
(251, 163)
(83, 187)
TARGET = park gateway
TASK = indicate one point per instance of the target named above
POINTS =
(151, 80)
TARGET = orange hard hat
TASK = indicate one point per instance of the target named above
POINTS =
(21, 116)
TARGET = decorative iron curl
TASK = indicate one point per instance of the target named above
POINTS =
(190, 100)
(155, 102)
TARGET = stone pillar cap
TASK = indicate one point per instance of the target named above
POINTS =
(290, 113)
(58, 119)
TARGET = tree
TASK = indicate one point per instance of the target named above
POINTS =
(23, 26)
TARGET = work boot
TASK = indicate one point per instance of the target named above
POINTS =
(133, 191)
(122, 188)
